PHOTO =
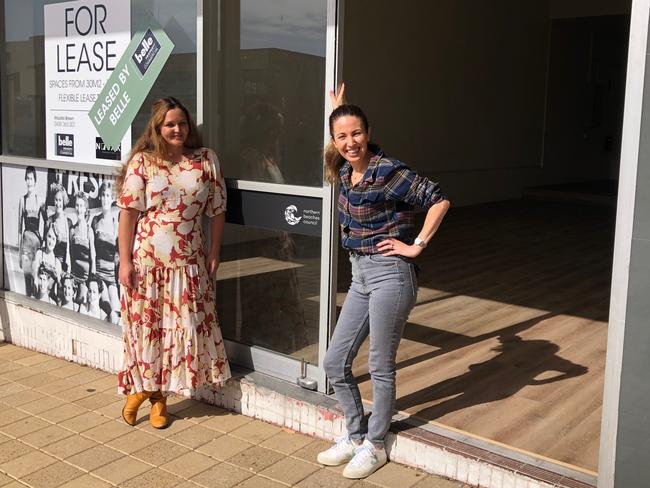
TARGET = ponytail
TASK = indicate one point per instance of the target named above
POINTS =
(333, 162)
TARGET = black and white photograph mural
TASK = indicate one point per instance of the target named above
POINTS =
(60, 239)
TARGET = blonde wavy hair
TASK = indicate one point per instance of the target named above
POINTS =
(151, 142)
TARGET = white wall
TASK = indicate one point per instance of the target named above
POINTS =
(59, 333)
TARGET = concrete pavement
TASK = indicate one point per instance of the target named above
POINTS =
(60, 425)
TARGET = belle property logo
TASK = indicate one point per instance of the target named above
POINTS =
(146, 52)
(64, 144)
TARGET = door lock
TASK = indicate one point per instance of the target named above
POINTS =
(303, 381)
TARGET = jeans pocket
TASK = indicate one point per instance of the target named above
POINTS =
(384, 260)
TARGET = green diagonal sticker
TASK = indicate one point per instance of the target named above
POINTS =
(129, 84)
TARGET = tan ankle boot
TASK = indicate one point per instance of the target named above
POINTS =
(158, 417)
(133, 402)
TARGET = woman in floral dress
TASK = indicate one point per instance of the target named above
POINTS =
(172, 340)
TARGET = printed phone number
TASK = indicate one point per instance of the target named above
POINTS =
(64, 124)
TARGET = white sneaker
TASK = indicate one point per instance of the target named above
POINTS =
(339, 453)
(367, 459)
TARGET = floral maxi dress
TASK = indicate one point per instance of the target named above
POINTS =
(172, 339)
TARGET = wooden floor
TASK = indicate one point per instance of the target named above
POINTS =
(507, 340)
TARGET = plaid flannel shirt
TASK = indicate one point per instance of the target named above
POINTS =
(381, 204)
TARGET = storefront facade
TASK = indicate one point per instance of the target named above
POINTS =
(274, 213)
(256, 76)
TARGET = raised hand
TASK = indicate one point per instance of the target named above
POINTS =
(338, 96)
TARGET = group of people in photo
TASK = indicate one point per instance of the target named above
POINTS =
(68, 250)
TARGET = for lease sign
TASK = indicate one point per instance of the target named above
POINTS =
(84, 40)
(130, 82)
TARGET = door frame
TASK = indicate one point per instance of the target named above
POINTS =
(253, 357)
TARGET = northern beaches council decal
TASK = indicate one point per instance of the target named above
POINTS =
(308, 217)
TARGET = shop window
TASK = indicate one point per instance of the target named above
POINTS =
(268, 290)
(47, 242)
(23, 95)
(265, 81)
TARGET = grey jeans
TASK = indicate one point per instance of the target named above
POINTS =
(381, 296)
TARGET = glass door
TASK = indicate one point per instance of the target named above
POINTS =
(267, 68)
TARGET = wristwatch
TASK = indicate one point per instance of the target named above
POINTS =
(419, 242)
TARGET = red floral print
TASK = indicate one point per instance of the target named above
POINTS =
(172, 339)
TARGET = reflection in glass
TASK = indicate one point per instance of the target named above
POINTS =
(178, 77)
(267, 290)
(265, 81)
(261, 152)
(23, 86)
(23, 90)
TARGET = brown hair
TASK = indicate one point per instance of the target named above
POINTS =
(333, 159)
(81, 195)
(45, 268)
(66, 277)
(30, 170)
(151, 142)
(93, 278)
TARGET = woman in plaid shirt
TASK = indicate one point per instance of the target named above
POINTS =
(377, 195)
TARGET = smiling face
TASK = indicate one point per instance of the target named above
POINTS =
(68, 290)
(93, 293)
(50, 239)
(43, 283)
(58, 202)
(106, 198)
(175, 129)
(80, 206)
(30, 181)
(351, 139)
